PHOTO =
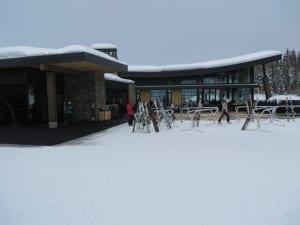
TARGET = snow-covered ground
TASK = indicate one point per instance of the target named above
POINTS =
(212, 175)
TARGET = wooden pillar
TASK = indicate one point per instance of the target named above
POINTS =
(51, 96)
(266, 83)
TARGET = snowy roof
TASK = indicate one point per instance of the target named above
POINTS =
(206, 65)
(103, 46)
(28, 51)
(116, 78)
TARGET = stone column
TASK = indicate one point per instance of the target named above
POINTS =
(131, 93)
(51, 96)
(100, 90)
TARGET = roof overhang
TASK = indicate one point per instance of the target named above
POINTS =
(77, 61)
(199, 68)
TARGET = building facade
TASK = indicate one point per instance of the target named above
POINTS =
(36, 84)
(209, 82)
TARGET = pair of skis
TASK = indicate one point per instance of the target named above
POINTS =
(164, 115)
(250, 111)
(144, 116)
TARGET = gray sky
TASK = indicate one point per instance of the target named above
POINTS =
(155, 32)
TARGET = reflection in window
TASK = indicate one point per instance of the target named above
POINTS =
(189, 97)
(221, 79)
(209, 80)
(242, 94)
(164, 95)
(188, 82)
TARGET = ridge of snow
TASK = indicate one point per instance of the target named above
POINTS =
(116, 78)
(279, 98)
(103, 46)
(28, 51)
(206, 64)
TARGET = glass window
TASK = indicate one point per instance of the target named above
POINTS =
(221, 79)
(209, 80)
(218, 95)
(212, 94)
(158, 94)
(206, 96)
(230, 80)
(188, 82)
(189, 97)
(138, 95)
(164, 95)
(242, 94)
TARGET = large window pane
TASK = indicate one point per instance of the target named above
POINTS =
(163, 95)
(221, 78)
(242, 94)
(189, 97)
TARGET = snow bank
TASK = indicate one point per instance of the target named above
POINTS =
(27, 51)
(116, 78)
(206, 65)
(259, 97)
(280, 98)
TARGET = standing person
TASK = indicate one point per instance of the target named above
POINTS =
(130, 112)
(224, 111)
(69, 112)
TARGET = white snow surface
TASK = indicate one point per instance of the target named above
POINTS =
(215, 174)
(103, 46)
(116, 78)
(205, 65)
(259, 97)
(27, 51)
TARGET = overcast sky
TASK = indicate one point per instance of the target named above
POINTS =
(155, 32)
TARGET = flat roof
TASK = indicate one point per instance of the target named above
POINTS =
(263, 57)
(75, 57)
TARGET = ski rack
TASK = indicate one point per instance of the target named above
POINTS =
(166, 115)
(271, 110)
(191, 112)
(141, 118)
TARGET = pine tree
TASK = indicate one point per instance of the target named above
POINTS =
(292, 63)
(258, 77)
(298, 75)
(284, 77)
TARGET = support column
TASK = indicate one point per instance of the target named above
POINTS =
(51, 96)
(100, 89)
(131, 93)
(266, 83)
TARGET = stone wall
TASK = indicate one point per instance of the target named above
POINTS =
(86, 92)
(131, 93)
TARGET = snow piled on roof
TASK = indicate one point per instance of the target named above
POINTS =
(280, 98)
(259, 97)
(28, 51)
(103, 46)
(207, 64)
(116, 78)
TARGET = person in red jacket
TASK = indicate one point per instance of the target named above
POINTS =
(130, 112)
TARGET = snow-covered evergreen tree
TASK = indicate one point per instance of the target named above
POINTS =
(285, 78)
(292, 71)
(284, 75)
(297, 79)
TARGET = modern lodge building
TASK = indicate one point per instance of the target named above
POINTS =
(230, 79)
(35, 83)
